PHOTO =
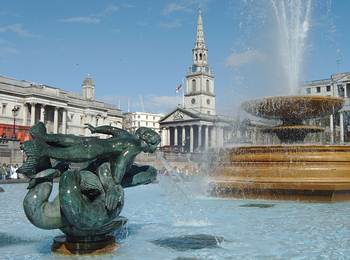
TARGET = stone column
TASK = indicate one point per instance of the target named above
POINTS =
(168, 136)
(183, 136)
(199, 137)
(175, 136)
(206, 137)
(341, 125)
(331, 126)
(32, 114)
(345, 91)
(42, 113)
(64, 121)
(214, 136)
(191, 139)
(55, 121)
(25, 114)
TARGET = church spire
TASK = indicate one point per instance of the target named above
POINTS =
(200, 43)
(200, 52)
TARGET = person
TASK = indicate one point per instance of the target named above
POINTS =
(120, 149)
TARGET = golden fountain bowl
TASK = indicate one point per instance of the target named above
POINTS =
(293, 108)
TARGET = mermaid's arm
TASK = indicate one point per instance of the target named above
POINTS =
(108, 130)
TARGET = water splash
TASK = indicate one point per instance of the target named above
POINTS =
(293, 20)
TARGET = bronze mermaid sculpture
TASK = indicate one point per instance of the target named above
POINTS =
(91, 197)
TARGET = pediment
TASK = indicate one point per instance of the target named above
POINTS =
(178, 115)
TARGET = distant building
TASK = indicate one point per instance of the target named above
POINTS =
(134, 120)
(61, 111)
(195, 126)
(338, 124)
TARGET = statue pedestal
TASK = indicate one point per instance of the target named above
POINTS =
(64, 246)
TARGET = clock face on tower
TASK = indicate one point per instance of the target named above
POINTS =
(193, 101)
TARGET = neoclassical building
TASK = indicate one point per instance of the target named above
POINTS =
(61, 111)
(338, 124)
(195, 126)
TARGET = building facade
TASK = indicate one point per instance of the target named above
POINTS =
(195, 126)
(64, 112)
(134, 120)
(337, 125)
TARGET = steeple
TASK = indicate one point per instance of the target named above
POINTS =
(200, 43)
(200, 52)
(200, 95)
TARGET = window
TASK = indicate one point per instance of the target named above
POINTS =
(138, 116)
(154, 118)
(200, 56)
(193, 85)
(207, 85)
(208, 101)
(328, 88)
(4, 109)
(193, 101)
(146, 117)
(208, 112)
(318, 89)
(196, 57)
(308, 91)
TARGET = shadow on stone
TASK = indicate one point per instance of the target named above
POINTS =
(190, 242)
(257, 205)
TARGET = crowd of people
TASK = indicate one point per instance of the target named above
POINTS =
(8, 171)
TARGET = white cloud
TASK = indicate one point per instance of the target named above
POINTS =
(17, 29)
(173, 24)
(184, 6)
(174, 7)
(81, 19)
(237, 59)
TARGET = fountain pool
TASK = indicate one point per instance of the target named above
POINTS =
(251, 229)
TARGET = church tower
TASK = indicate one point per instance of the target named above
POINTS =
(199, 94)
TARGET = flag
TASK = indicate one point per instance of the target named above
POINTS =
(178, 88)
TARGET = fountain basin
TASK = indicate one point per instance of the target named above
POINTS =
(293, 109)
(288, 172)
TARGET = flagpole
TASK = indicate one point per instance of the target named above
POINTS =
(183, 93)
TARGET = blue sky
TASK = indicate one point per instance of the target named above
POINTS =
(140, 50)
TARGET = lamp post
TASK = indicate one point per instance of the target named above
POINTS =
(15, 110)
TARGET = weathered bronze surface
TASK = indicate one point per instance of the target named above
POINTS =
(90, 198)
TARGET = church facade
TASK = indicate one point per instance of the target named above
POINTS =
(195, 126)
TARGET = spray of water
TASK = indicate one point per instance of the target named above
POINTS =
(293, 20)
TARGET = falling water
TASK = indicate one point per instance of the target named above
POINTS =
(293, 19)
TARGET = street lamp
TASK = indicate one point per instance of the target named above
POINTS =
(15, 110)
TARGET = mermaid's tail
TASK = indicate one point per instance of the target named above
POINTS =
(34, 151)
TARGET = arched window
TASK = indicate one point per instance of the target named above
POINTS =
(207, 85)
(200, 56)
(204, 57)
(196, 56)
(193, 85)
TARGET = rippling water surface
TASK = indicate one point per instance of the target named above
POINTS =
(158, 223)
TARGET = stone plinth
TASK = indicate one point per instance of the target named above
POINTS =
(65, 246)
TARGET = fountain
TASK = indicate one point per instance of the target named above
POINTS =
(292, 170)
